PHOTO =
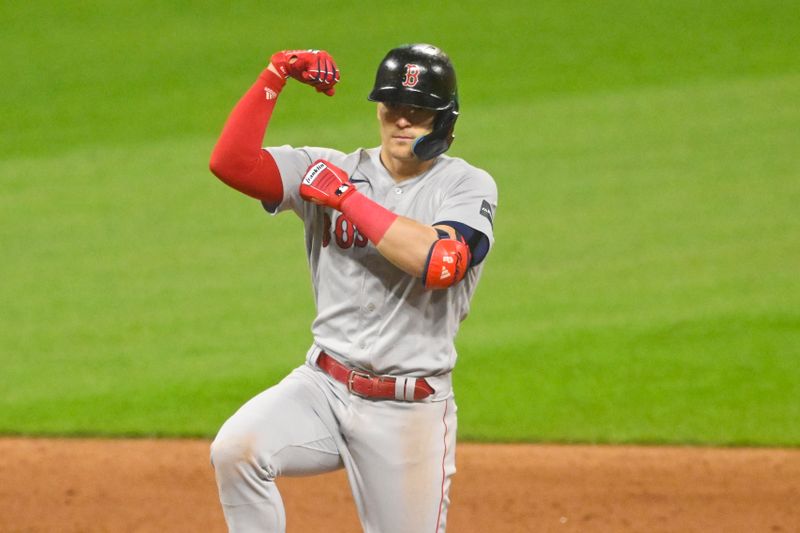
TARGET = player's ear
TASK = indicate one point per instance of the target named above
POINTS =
(378, 111)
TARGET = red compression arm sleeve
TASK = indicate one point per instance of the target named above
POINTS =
(371, 219)
(238, 158)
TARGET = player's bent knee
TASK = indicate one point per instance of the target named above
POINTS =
(227, 452)
(236, 457)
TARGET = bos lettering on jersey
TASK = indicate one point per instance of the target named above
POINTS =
(344, 232)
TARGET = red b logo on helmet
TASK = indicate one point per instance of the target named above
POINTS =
(412, 75)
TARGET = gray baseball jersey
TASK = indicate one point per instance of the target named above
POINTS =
(371, 314)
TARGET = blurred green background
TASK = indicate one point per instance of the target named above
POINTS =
(644, 287)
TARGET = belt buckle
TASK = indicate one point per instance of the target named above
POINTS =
(353, 373)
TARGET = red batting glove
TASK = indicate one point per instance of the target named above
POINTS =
(313, 67)
(326, 184)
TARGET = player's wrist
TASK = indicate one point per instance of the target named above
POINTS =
(344, 193)
(272, 79)
(351, 192)
(272, 68)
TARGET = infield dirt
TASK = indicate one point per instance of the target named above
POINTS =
(88, 485)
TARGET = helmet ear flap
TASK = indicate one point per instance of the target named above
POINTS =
(439, 140)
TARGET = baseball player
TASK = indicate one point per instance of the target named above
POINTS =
(395, 237)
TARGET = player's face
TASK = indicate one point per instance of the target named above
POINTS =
(400, 127)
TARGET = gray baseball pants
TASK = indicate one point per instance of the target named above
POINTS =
(399, 456)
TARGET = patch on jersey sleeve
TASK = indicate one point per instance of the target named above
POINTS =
(486, 210)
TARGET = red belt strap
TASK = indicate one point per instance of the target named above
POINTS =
(371, 386)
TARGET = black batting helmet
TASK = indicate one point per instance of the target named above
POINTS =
(423, 76)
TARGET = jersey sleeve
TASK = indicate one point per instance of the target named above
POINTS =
(471, 201)
(292, 164)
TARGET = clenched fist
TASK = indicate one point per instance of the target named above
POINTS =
(326, 184)
(313, 67)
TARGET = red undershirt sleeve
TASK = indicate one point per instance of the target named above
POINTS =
(371, 218)
(238, 158)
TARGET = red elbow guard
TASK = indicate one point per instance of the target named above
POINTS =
(447, 263)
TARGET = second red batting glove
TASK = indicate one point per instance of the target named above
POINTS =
(326, 184)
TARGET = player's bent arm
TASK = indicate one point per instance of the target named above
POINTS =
(415, 248)
(411, 246)
(406, 244)
(238, 159)
(436, 254)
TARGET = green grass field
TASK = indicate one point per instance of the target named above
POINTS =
(644, 287)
